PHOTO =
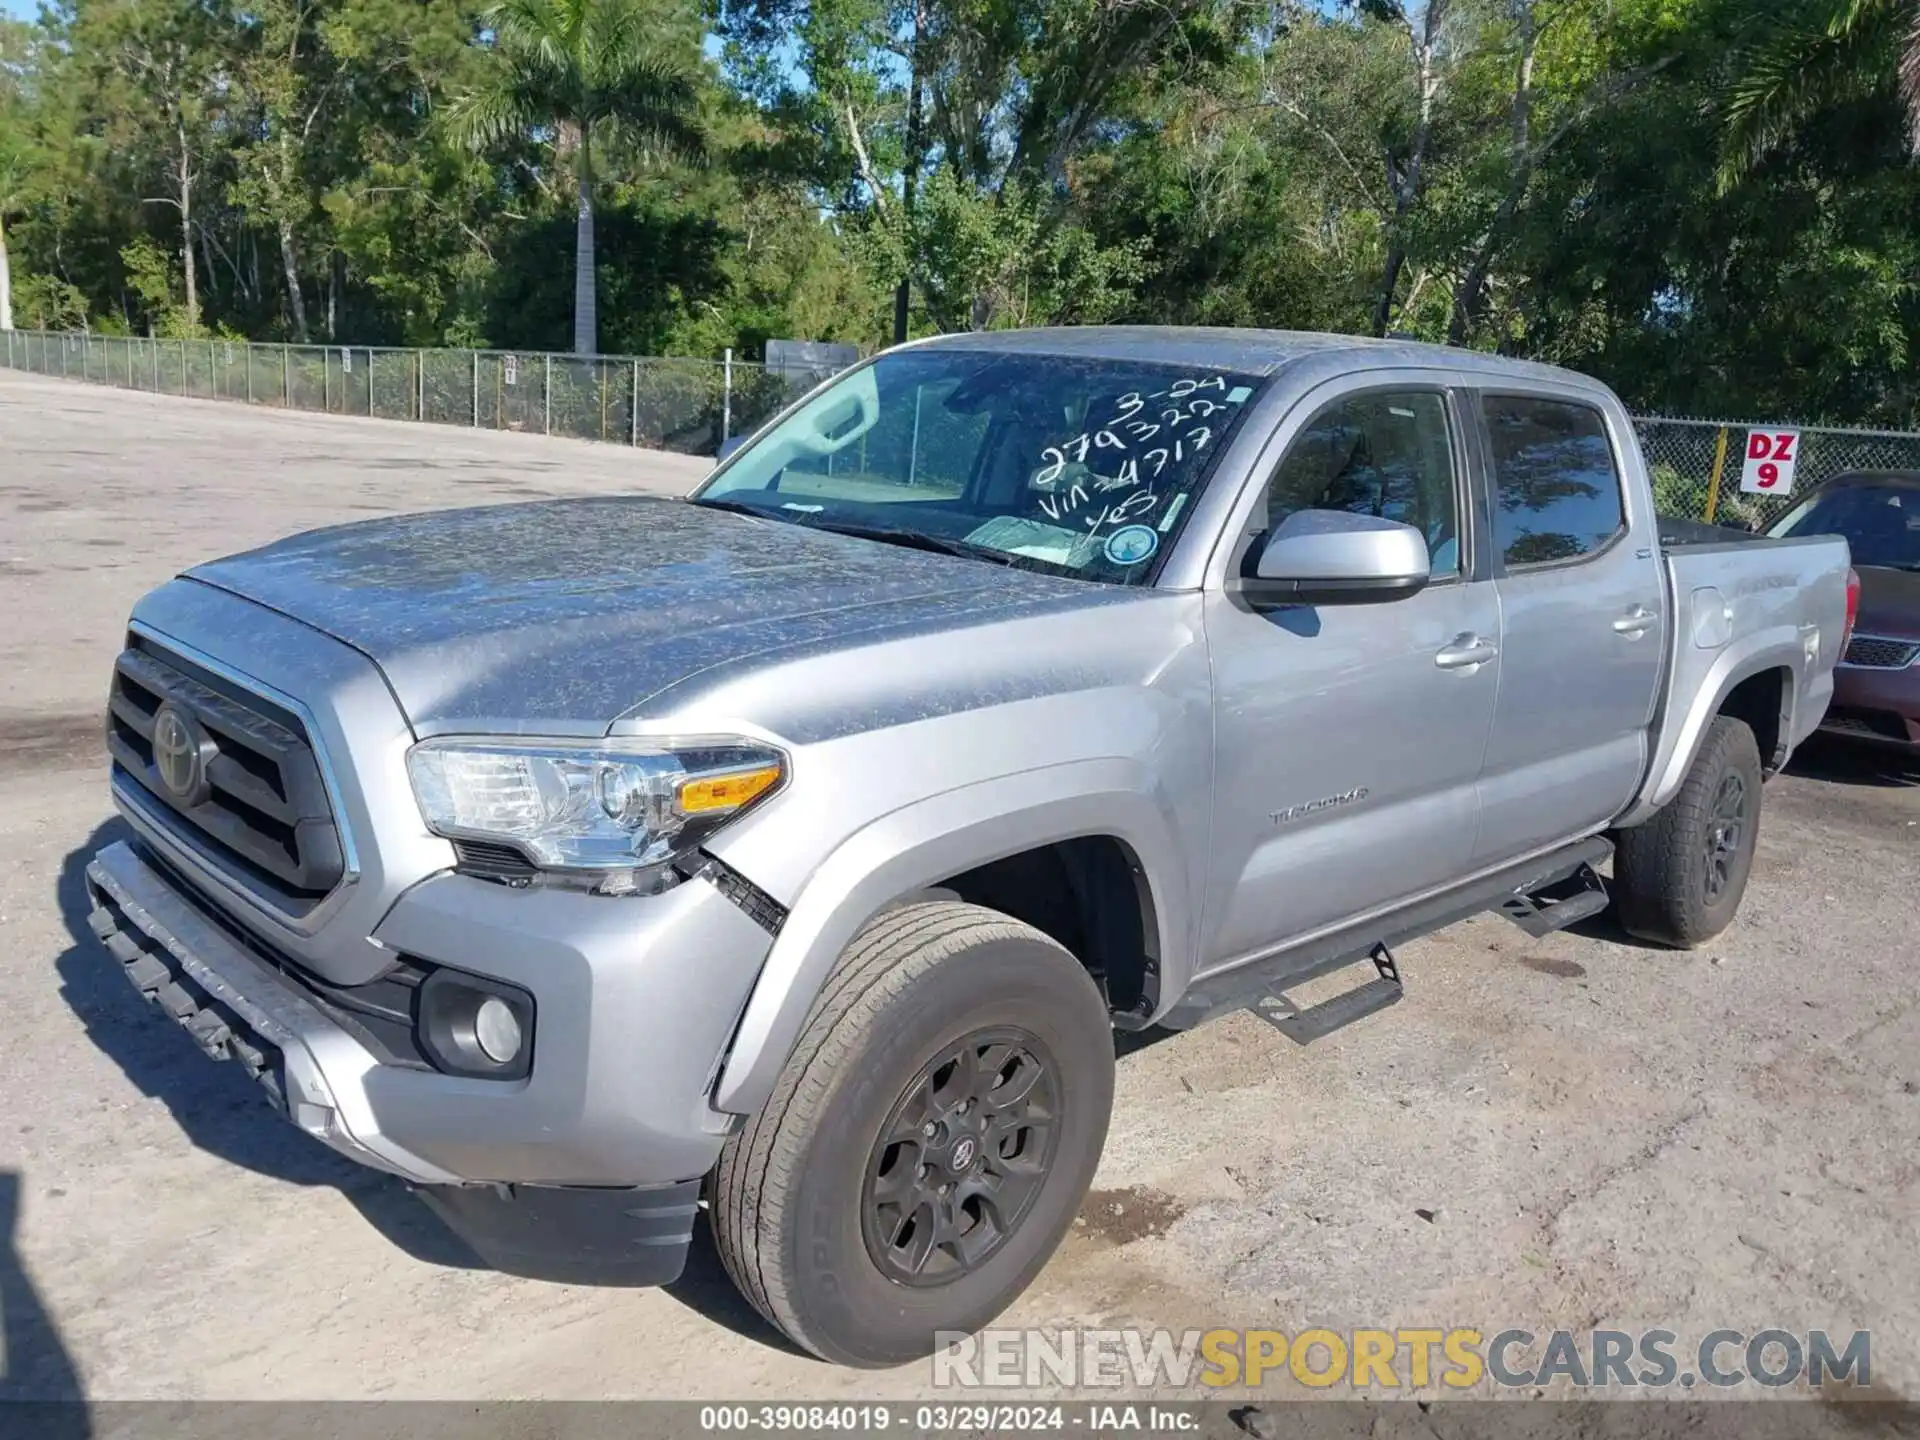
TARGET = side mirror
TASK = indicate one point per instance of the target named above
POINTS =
(1333, 557)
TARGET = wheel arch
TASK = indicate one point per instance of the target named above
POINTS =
(944, 843)
(1758, 681)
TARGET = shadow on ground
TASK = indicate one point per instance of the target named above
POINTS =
(1824, 758)
(40, 1387)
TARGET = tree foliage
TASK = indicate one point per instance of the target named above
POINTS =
(1711, 204)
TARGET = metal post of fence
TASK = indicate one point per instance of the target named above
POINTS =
(246, 355)
(63, 357)
(130, 364)
(546, 401)
(156, 364)
(633, 409)
(369, 380)
(726, 396)
(420, 384)
(476, 389)
(286, 377)
(1719, 463)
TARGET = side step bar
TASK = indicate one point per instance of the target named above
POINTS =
(1538, 883)
(1303, 1027)
(1556, 906)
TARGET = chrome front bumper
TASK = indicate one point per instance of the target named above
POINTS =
(237, 1007)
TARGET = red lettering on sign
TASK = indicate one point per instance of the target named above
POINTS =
(1759, 446)
(1783, 448)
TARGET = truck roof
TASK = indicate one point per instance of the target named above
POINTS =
(1254, 352)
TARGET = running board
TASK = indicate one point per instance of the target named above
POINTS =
(1303, 1027)
(1250, 983)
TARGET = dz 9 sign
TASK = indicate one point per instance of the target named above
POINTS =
(1771, 458)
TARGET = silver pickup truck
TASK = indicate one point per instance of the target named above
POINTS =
(793, 850)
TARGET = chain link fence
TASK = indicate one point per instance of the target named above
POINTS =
(694, 406)
(688, 406)
(1696, 464)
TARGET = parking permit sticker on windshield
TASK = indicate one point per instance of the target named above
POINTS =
(1131, 544)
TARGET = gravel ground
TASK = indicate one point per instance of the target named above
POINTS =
(1569, 1132)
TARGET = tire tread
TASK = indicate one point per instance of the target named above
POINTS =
(758, 1168)
(1656, 866)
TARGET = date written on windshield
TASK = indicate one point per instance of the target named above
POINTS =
(1139, 440)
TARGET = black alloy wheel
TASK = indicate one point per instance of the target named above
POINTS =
(1726, 829)
(961, 1158)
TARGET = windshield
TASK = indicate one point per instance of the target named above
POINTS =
(1081, 466)
(1880, 523)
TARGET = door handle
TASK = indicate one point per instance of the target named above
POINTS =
(1465, 652)
(1635, 623)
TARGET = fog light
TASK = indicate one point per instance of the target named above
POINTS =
(496, 1029)
(475, 1025)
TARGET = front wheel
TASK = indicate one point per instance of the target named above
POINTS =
(929, 1141)
(1678, 878)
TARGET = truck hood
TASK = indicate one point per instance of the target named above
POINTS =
(560, 617)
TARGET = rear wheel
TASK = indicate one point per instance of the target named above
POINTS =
(929, 1141)
(1678, 878)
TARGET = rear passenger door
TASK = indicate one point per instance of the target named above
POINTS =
(1577, 569)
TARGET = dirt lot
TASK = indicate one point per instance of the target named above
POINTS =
(1565, 1132)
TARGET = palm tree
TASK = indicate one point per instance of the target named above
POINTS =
(1815, 54)
(577, 74)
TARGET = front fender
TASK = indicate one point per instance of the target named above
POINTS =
(926, 842)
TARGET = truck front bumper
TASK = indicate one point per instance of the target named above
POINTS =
(587, 1168)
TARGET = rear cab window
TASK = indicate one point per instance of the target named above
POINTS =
(1556, 483)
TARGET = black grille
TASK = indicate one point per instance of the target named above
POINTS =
(263, 812)
(1874, 653)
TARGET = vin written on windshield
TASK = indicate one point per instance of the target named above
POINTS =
(1077, 465)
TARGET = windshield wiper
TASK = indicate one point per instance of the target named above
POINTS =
(737, 507)
(916, 540)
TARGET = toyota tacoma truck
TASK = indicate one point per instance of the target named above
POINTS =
(793, 851)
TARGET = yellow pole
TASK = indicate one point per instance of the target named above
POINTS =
(1713, 485)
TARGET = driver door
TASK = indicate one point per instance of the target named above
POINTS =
(1349, 738)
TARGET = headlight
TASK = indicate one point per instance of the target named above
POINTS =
(601, 810)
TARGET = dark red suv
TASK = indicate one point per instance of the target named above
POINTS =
(1876, 686)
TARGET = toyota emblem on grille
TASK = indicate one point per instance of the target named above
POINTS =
(179, 756)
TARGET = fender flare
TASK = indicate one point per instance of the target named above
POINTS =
(923, 843)
(1776, 648)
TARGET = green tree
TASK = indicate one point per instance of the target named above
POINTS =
(581, 73)
(159, 69)
(15, 144)
(1813, 55)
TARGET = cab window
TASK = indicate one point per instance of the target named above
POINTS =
(1556, 490)
(1384, 453)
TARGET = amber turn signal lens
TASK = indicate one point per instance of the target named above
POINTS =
(711, 793)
